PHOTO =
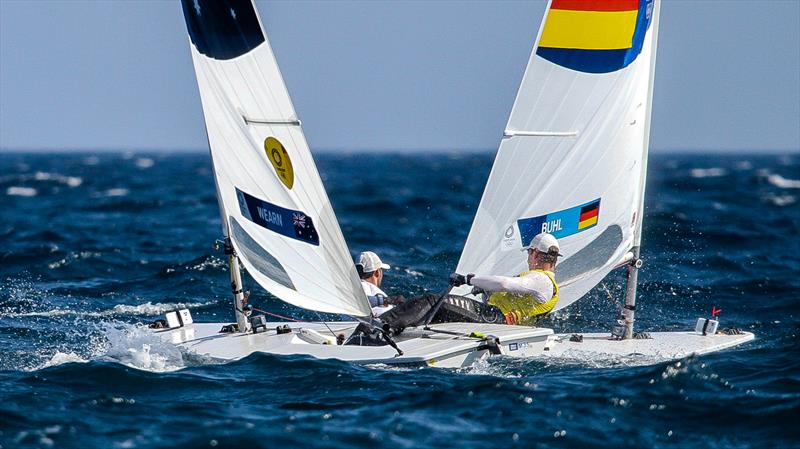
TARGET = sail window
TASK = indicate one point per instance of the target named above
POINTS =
(592, 257)
(261, 260)
(222, 29)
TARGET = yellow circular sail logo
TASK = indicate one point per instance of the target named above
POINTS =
(276, 153)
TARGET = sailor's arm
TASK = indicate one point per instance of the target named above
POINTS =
(536, 285)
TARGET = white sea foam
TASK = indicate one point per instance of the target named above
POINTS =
(713, 172)
(21, 191)
(573, 357)
(149, 308)
(212, 262)
(91, 160)
(144, 162)
(72, 181)
(137, 347)
(146, 309)
(116, 192)
(784, 183)
(59, 358)
(71, 258)
(413, 272)
(781, 200)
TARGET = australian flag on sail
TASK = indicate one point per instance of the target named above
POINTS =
(289, 223)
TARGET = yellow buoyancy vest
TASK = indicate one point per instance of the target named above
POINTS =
(523, 309)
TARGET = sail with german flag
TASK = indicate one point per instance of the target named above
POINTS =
(597, 36)
(573, 156)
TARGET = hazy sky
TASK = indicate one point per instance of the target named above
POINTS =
(390, 76)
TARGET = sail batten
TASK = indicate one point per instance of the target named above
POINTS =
(511, 133)
(575, 139)
(261, 121)
(275, 208)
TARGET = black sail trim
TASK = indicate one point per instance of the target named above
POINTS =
(222, 29)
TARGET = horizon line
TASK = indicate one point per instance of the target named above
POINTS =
(330, 150)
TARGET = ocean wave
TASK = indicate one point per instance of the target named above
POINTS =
(21, 191)
(115, 192)
(60, 358)
(413, 272)
(149, 308)
(144, 162)
(42, 176)
(138, 347)
(784, 183)
(72, 257)
(713, 172)
(135, 346)
(780, 200)
(72, 181)
(146, 309)
(199, 264)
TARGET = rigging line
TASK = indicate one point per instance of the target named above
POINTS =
(326, 325)
(611, 297)
(247, 299)
(279, 316)
(456, 335)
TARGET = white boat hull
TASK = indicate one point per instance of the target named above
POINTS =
(419, 347)
(438, 347)
(661, 346)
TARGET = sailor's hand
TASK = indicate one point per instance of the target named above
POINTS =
(394, 300)
(457, 280)
(477, 291)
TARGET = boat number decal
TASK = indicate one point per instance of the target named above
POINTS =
(277, 155)
(562, 223)
(513, 347)
(289, 223)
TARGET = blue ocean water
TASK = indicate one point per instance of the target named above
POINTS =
(91, 245)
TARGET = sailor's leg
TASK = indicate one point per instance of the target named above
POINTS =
(410, 313)
(460, 309)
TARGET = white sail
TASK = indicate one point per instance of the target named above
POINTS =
(572, 159)
(274, 207)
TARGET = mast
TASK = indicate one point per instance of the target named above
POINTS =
(629, 310)
(236, 286)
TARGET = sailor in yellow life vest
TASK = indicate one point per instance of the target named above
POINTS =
(529, 296)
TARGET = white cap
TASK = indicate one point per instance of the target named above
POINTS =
(370, 262)
(544, 243)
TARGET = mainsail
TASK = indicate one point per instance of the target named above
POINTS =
(573, 157)
(274, 207)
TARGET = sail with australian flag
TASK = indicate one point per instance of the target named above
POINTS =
(573, 157)
(274, 208)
